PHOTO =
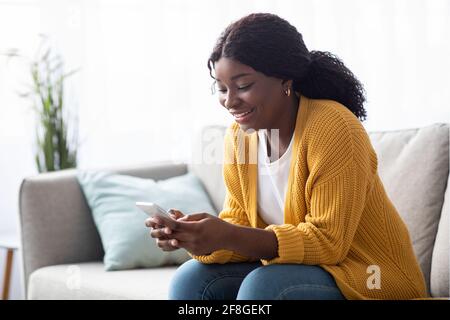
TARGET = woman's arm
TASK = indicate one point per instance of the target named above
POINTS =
(203, 234)
(252, 242)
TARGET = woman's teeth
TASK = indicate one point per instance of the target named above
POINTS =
(240, 115)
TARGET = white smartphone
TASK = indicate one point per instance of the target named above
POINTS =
(152, 209)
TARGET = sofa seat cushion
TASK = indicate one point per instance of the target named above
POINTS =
(90, 281)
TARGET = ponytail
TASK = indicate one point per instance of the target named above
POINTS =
(328, 78)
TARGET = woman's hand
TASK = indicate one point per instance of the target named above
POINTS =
(161, 232)
(198, 233)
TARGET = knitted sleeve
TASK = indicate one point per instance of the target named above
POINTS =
(342, 166)
(233, 210)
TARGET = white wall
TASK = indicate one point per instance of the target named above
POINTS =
(144, 86)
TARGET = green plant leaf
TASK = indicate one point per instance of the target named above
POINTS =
(70, 73)
(46, 94)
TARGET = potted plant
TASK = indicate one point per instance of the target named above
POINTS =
(56, 130)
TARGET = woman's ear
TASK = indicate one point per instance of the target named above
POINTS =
(289, 83)
(285, 84)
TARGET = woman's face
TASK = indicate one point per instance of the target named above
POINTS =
(254, 100)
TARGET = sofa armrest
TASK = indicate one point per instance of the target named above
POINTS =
(55, 220)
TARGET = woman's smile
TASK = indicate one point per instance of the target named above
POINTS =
(243, 116)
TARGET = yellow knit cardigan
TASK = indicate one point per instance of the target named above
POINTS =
(337, 214)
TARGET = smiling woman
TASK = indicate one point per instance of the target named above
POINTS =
(311, 223)
(260, 60)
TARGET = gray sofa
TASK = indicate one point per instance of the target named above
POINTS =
(62, 251)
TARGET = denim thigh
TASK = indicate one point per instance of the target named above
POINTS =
(252, 281)
(194, 280)
(290, 282)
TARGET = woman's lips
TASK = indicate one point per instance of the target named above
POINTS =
(244, 117)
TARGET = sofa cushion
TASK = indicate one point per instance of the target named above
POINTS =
(440, 268)
(414, 165)
(124, 236)
(90, 281)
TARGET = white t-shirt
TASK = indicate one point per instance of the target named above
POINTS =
(272, 182)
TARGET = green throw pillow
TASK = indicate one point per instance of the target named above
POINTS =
(125, 238)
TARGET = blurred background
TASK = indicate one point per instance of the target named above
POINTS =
(142, 88)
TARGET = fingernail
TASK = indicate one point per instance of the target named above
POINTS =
(167, 230)
(174, 242)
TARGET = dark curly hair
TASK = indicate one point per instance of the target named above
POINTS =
(272, 46)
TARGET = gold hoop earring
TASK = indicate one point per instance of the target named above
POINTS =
(288, 92)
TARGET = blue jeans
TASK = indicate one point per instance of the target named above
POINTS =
(252, 281)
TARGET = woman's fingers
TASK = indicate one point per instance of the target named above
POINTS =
(181, 236)
(156, 233)
(167, 245)
(163, 232)
(169, 223)
(195, 217)
(176, 214)
(164, 236)
(178, 237)
(151, 223)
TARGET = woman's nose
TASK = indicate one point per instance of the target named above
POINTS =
(229, 100)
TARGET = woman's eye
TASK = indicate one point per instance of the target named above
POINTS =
(245, 87)
(239, 88)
